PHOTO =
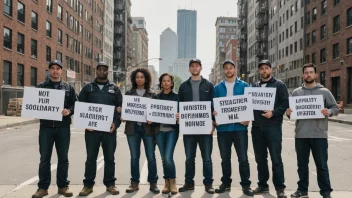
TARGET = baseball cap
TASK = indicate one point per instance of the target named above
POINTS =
(264, 62)
(230, 62)
(195, 60)
(102, 64)
(55, 62)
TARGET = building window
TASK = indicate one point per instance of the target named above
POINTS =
(314, 58)
(349, 46)
(302, 22)
(336, 2)
(295, 46)
(33, 76)
(48, 54)
(296, 28)
(322, 55)
(49, 6)
(323, 7)
(59, 56)
(291, 30)
(314, 36)
(7, 38)
(307, 59)
(59, 12)
(336, 51)
(292, 10)
(308, 18)
(349, 17)
(48, 29)
(291, 49)
(59, 36)
(34, 20)
(20, 75)
(322, 78)
(300, 44)
(20, 43)
(307, 40)
(286, 51)
(336, 27)
(7, 73)
(8, 7)
(34, 48)
(323, 32)
(314, 14)
(21, 12)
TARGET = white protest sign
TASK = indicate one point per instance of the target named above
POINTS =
(162, 111)
(233, 109)
(262, 98)
(46, 104)
(195, 118)
(134, 108)
(306, 107)
(93, 116)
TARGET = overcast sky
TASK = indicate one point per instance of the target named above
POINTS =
(160, 14)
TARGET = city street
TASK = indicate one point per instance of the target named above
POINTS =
(20, 158)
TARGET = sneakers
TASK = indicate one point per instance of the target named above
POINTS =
(223, 188)
(65, 192)
(186, 187)
(326, 195)
(281, 194)
(113, 190)
(259, 190)
(154, 188)
(209, 189)
(40, 193)
(166, 189)
(300, 194)
(86, 191)
(133, 187)
(173, 187)
(248, 191)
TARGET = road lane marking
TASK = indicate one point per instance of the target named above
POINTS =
(338, 138)
(250, 155)
(314, 173)
(144, 173)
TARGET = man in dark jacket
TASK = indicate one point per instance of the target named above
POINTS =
(101, 91)
(57, 132)
(196, 88)
(267, 133)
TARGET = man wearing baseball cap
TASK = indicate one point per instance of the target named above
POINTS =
(267, 133)
(57, 132)
(101, 91)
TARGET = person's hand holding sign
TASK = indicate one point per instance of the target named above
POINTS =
(149, 122)
(215, 114)
(245, 123)
(112, 128)
(288, 112)
(177, 117)
(268, 114)
(118, 109)
(325, 112)
(122, 120)
(65, 112)
(213, 128)
(90, 130)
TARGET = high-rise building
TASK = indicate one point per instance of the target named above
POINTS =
(168, 50)
(232, 52)
(155, 77)
(180, 68)
(242, 6)
(187, 33)
(108, 39)
(140, 42)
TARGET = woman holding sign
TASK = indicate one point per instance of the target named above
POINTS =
(167, 135)
(137, 132)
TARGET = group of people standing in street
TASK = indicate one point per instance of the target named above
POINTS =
(266, 133)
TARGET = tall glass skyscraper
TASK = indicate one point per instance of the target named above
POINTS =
(187, 33)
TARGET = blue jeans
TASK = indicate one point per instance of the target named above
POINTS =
(134, 143)
(240, 141)
(47, 137)
(269, 138)
(108, 142)
(206, 147)
(166, 142)
(319, 147)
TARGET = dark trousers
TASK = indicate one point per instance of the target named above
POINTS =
(108, 142)
(269, 138)
(319, 148)
(47, 138)
(240, 141)
(134, 143)
(206, 147)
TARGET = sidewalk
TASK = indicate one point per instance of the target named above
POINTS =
(100, 191)
(342, 118)
(12, 121)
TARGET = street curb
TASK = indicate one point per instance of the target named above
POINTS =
(19, 124)
(340, 121)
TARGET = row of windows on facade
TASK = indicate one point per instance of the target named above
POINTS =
(336, 20)
(7, 72)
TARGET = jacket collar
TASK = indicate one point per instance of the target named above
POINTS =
(272, 79)
(48, 82)
(236, 81)
(107, 82)
(190, 78)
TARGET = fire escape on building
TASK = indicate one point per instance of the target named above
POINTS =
(119, 45)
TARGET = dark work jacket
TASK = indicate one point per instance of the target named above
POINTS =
(172, 96)
(206, 92)
(150, 129)
(280, 107)
(109, 95)
(69, 103)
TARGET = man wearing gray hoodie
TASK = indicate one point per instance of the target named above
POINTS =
(312, 135)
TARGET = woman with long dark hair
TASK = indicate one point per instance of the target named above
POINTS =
(167, 135)
(137, 132)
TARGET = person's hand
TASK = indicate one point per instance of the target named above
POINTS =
(118, 109)
(149, 122)
(245, 123)
(122, 120)
(268, 114)
(90, 130)
(112, 128)
(65, 112)
(325, 112)
(177, 116)
(288, 112)
(213, 128)
(215, 113)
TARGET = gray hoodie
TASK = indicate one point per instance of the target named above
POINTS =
(315, 128)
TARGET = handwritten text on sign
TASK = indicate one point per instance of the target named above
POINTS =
(93, 116)
(306, 107)
(262, 98)
(162, 111)
(233, 109)
(44, 104)
(134, 108)
(195, 118)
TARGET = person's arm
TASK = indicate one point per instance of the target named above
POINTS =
(72, 100)
(282, 100)
(331, 104)
(211, 90)
(83, 95)
(117, 115)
